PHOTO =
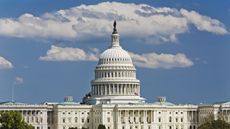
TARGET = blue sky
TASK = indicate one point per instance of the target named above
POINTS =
(49, 49)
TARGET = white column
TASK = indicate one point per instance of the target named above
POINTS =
(97, 90)
(105, 86)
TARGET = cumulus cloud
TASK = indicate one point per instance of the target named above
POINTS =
(69, 54)
(18, 81)
(146, 60)
(165, 61)
(204, 23)
(143, 22)
(5, 64)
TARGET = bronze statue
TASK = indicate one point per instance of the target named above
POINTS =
(114, 27)
(114, 24)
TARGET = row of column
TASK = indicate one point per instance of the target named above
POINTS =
(115, 89)
(117, 74)
(193, 116)
(225, 114)
(114, 60)
(136, 116)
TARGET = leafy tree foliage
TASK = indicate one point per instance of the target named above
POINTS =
(101, 126)
(77, 128)
(215, 124)
(13, 120)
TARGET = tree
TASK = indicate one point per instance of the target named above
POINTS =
(101, 127)
(215, 124)
(77, 128)
(13, 120)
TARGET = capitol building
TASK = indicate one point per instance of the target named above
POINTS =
(115, 101)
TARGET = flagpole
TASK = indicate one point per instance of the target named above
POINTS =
(12, 94)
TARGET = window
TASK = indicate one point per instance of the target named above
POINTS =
(159, 119)
(82, 120)
(182, 119)
(170, 119)
(63, 120)
(176, 119)
(75, 119)
(69, 119)
(37, 119)
(108, 119)
(87, 120)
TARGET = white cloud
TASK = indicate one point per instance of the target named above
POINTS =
(143, 22)
(69, 54)
(146, 60)
(5, 64)
(18, 81)
(204, 23)
(165, 61)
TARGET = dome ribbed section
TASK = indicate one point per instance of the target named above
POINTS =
(115, 56)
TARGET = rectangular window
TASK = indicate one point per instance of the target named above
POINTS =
(159, 119)
(170, 119)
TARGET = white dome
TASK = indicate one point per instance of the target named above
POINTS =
(115, 55)
(115, 76)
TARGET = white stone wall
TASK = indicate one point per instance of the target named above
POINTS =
(36, 115)
(118, 116)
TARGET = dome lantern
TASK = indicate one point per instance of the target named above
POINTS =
(115, 36)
